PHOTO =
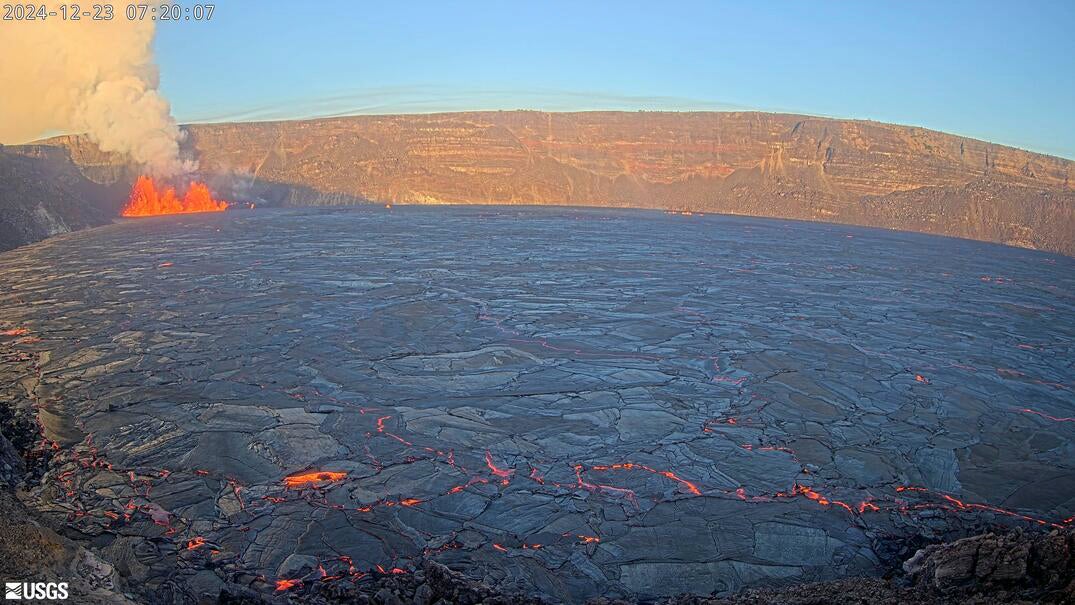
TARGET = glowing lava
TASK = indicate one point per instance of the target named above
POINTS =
(504, 474)
(313, 479)
(687, 485)
(1046, 416)
(282, 585)
(802, 490)
(146, 200)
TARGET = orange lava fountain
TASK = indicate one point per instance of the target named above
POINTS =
(146, 200)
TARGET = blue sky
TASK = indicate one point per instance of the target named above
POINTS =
(1000, 71)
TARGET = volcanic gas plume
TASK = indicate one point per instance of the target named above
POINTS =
(96, 77)
(147, 200)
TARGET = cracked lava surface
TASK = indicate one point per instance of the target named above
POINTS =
(568, 402)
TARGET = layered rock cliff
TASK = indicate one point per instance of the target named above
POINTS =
(42, 193)
(761, 164)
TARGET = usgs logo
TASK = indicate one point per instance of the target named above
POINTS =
(25, 591)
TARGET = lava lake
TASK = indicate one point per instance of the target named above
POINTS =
(568, 402)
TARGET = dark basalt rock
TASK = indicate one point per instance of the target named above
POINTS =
(997, 563)
(12, 467)
(1009, 568)
(316, 405)
(42, 194)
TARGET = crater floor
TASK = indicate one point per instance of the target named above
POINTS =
(569, 402)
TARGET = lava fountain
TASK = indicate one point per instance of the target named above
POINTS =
(147, 200)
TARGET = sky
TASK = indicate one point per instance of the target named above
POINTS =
(998, 71)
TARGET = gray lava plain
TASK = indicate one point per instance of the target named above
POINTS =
(565, 402)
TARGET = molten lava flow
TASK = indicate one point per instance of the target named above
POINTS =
(535, 476)
(380, 429)
(955, 504)
(282, 585)
(146, 200)
(1046, 416)
(802, 490)
(597, 487)
(687, 485)
(504, 474)
(312, 479)
(473, 481)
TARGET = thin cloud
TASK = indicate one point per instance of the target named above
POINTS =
(434, 99)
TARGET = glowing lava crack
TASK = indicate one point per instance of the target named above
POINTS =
(309, 400)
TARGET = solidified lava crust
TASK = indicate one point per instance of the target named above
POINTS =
(559, 403)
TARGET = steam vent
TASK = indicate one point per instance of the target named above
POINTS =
(557, 404)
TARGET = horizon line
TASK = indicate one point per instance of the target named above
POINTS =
(431, 112)
(375, 113)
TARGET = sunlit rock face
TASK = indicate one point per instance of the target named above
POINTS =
(566, 402)
(746, 163)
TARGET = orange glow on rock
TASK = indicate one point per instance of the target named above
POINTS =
(948, 502)
(817, 497)
(147, 200)
(536, 476)
(1046, 416)
(597, 487)
(504, 474)
(690, 487)
(282, 585)
(472, 481)
(313, 478)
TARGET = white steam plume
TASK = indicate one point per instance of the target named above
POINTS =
(93, 77)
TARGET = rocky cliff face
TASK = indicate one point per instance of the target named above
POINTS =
(42, 193)
(761, 164)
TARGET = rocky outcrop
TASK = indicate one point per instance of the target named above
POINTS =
(1024, 566)
(758, 164)
(31, 550)
(42, 193)
(984, 209)
(982, 570)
